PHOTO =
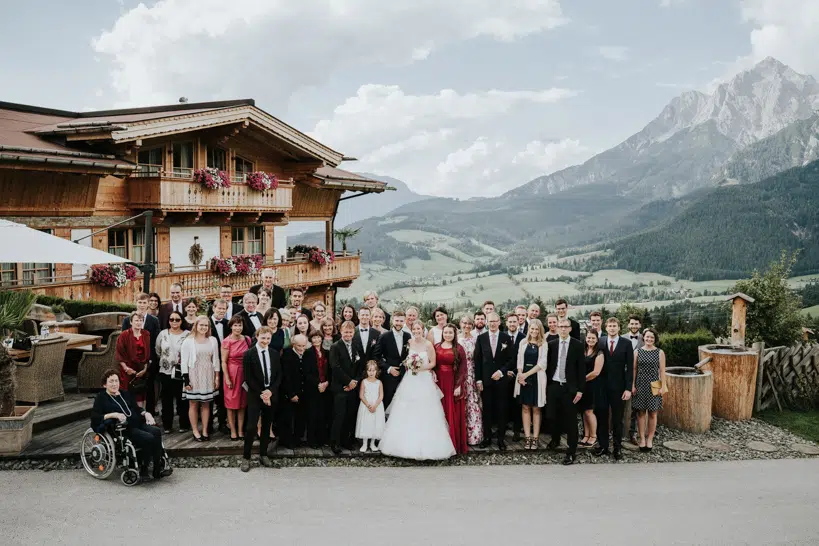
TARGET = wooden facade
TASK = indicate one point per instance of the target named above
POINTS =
(74, 174)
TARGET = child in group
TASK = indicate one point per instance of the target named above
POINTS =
(371, 418)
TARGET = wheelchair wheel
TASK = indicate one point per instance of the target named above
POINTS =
(98, 454)
(129, 477)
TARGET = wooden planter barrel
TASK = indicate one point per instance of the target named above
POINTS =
(734, 370)
(687, 404)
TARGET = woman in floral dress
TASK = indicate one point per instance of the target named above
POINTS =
(474, 421)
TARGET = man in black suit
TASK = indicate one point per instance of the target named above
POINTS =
(366, 337)
(494, 357)
(562, 310)
(618, 366)
(176, 304)
(250, 318)
(566, 379)
(226, 293)
(297, 299)
(515, 415)
(523, 324)
(393, 348)
(219, 329)
(263, 376)
(153, 328)
(277, 296)
(346, 365)
(293, 405)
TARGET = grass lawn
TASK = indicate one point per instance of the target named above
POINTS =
(804, 424)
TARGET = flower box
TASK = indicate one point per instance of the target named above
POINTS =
(244, 264)
(115, 276)
(211, 178)
(262, 181)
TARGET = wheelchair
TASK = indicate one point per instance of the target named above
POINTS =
(108, 448)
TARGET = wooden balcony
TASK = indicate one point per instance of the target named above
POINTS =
(175, 191)
(205, 284)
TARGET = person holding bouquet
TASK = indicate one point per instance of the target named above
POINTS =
(369, 425)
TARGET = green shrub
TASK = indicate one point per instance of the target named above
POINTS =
(681, 349)
(78, 308)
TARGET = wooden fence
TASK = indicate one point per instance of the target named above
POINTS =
(787, 375)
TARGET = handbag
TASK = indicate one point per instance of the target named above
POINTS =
(658, 387)
(137, 385)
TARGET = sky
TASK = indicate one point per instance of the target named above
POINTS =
(457, 98)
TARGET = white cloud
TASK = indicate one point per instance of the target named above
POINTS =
(671, 3)
(613, 53)
(438, 143)
(268, 48)
(549, 157)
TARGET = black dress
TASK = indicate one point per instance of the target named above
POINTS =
(589, 393)
(528, 392)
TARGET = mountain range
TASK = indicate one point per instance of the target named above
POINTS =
(758, 124)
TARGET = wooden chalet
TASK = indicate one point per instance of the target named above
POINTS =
(77, 173)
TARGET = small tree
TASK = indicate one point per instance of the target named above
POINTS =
(14, 306)
(774, 317)
(346, 233)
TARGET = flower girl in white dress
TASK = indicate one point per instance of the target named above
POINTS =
(369, 425)
(417, 427)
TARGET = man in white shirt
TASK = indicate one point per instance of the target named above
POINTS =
(411, 317)
(176, 304)
(366, 337)
(523, 324)
(263, 376)
(226, 294)
(251, 319)
(219, 327)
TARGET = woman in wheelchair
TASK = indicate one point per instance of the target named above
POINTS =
(119, 407)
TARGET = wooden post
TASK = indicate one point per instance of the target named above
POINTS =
(759, 346)
(328, 235)
(738, 311)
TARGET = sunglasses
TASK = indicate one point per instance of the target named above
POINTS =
(175, 320)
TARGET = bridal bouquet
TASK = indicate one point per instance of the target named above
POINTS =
(413, 363)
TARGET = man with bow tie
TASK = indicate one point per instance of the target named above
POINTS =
(251, 319)
(219, 327)
(176, 304)
(393, 348)
(636, 338)
(366, 337)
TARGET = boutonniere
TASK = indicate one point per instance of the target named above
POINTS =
(357, 357)
(503, 346)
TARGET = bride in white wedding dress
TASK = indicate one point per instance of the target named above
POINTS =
(417, 428)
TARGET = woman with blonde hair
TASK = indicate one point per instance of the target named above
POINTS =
(319, 314)
(200, 374)
(531, 391)
(378, 319)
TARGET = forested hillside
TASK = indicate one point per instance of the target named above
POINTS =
(730, 231)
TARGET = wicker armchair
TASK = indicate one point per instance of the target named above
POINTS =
(41, 378)
(94, 363)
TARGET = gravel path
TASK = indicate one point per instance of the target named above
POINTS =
(726, 441)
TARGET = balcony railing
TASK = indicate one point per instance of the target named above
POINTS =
(175, 190)
(200, 282)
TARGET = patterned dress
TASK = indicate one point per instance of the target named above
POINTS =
(648, 370)
(474, 420)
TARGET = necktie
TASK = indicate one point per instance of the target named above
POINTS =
(264, 367)
(561, 359)
(494, 339)
(349, 350)
(611, 347)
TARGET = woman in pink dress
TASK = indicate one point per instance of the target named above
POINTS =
(474, 404)
(451, 371)
(233, 351)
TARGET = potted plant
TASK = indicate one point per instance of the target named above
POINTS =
(59, 312)
(16, 422)
(343, 234)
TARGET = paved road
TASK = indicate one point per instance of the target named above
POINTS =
(751, 502)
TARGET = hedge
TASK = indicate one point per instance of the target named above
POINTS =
(681, 349)
(78, 308)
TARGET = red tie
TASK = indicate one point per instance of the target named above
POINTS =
(611, 345)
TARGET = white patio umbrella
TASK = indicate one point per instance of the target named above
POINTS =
(21, 244)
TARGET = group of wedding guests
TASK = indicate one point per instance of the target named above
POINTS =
(269, 366)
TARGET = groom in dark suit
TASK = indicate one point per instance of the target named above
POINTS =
(566, 379)
(494, 357)
(618, 367)
(347, 365)
(392, 350)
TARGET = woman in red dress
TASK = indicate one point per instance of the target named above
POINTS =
(452, 371)
(133, 352)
